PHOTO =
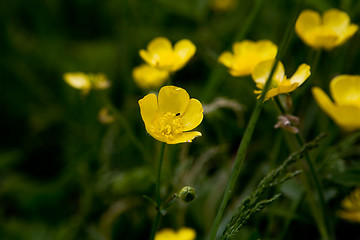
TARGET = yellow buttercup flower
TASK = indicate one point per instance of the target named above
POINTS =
(351, 206)
(161, 54)
(85, 82)
(279, 83)
(345, 110)
(146, 76)
(246, 55)
(181, 234)
(170, 116)
(328, 31)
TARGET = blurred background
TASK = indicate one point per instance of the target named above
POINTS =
(65, 175)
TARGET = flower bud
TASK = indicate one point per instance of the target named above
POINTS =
(187, 194)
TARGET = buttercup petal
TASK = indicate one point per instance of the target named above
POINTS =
(323, 101)
(186, 234)
(307, 21)
(301, 74)
(77, 80)
(349, 32)
(184, 50)
(159, 53)
(336, 20)
(184, 137)
(348, 117)
(241, 48)
(149, 109)
(146, 76)
(193, 115)
(173, 99)
(262, 71)
(345, 89)
(165, 234)
(226, 58)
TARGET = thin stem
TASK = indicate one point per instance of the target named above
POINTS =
(157, 192)
(324, 225)
(240, 156)
(125, 124)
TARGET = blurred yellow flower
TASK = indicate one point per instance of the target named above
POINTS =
(105, 117)
(161, 54)
(223, 5)
(146, 76)
(328, 31)
(279, 83)
(181, 234)
(247, 54)
(85, 82)
(345, 110)
(351, 206)
(169, 116)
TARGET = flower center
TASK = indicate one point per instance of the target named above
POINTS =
(169, 125)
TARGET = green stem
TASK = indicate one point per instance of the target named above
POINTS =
(240, 156)
(219, 72)
(125, 124)
(324, 225)
(157, 192)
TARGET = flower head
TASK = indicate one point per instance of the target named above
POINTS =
(161, 54)
(345, 110)
(328, 31)
(351, 206)
(246, 55)
(170, 116)
(181, 234)
(85, 82)
(279, 82)
(146, 76)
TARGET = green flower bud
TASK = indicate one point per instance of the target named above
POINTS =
(187, 194)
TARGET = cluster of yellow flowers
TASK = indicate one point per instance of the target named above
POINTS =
(171, 115)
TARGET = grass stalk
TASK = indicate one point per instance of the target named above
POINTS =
(240, 156)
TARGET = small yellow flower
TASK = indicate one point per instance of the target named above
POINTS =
(351, 206)
(279, 83)
(328, 31)
(181, 234)
(169, 116)
(85, 82)
(146, 76)
(247, 54)
(345, 110)
(162, 55)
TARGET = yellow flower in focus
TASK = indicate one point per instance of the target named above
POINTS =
(169, 116)
(181, 234)
(161, 54)
(279, 83)
(85, 82)
(351, 206)
(146, 76)
(328, 31)
(223, 5)
(247, 54)
(345, 110)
